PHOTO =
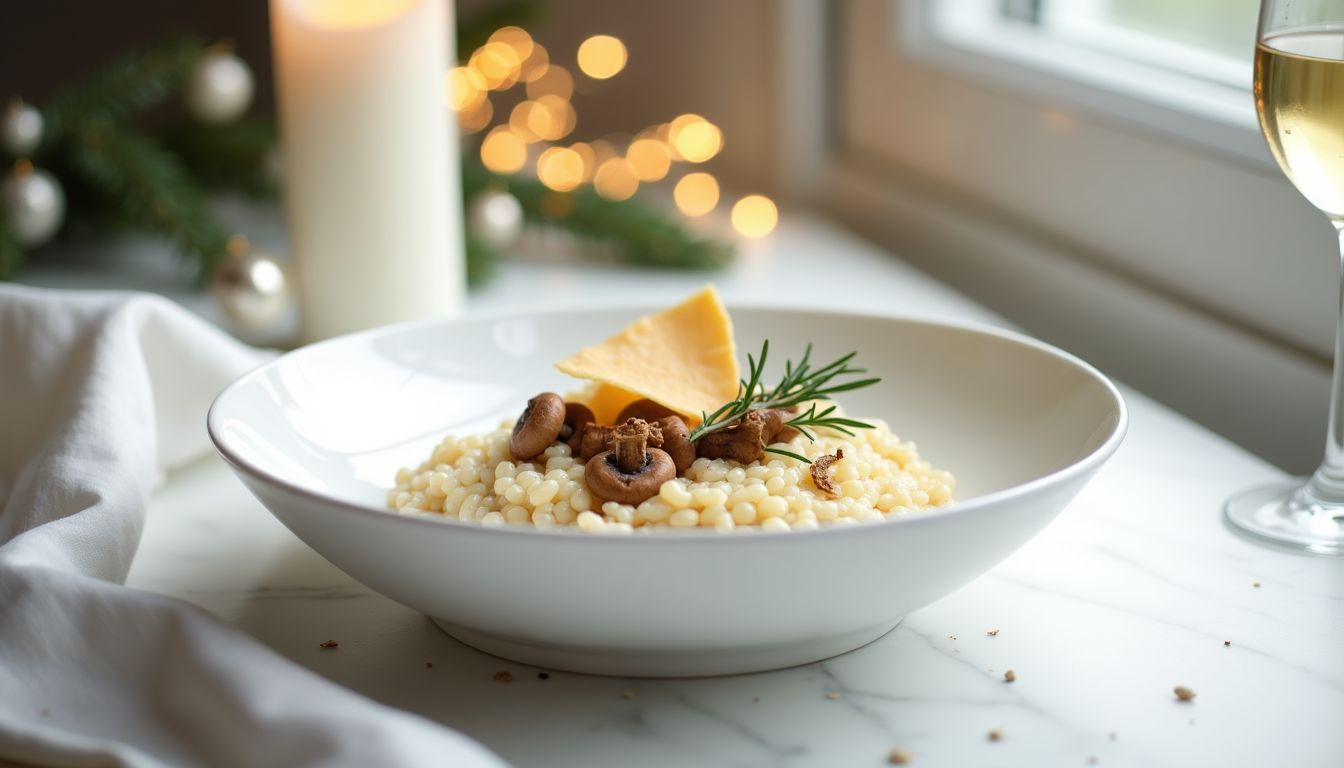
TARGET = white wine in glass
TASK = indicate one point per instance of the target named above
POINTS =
(1299, 96)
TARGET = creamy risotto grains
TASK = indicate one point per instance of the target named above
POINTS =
(476, 480)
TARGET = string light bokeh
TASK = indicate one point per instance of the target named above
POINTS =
(530, 135)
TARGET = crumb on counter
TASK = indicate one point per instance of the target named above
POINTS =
(993, 633)
(503, 676)
(899, 756)
(543, 676)
(1183, 693)
(328, 644)
(1009, 676)
(833, 695)
(996, 734)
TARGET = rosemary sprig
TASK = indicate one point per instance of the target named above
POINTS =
(800, 384)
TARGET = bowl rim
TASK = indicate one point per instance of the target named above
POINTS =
(1080, 466)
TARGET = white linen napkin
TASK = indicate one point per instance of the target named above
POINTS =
(99, 393)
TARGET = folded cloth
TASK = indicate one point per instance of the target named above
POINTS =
(99, 393)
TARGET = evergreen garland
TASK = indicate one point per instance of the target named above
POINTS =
(149, 187)
(644, 235)
(118, 173)
(11, 253)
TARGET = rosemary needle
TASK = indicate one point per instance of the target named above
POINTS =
(800, 384)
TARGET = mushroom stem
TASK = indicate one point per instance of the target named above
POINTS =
(630, 441)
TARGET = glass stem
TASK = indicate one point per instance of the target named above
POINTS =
(1327, 484)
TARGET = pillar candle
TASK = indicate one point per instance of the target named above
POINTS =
(370, 166)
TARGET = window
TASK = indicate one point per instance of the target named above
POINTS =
(1093, 170)
(1183, 68)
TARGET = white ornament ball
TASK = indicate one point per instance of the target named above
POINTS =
(20, 129)
(496, 217)
(220, 87)
(251, 287)
(34, 203)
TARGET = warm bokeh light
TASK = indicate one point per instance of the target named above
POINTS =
(503, 151)
(679, 122)
(589, 157)
(696, 140)
(560, 168)
(663, 132)
(516, 38)
(551, 118)
(601, 56)
(603, 151)
(696, 194)
(476, 118)
(615, 179)
(649, 159)
(536, 64)
(554, 81)
(520, 121)
(755, 216)
(498, 64)
(465, 88)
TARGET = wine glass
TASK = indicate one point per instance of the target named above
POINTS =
(1299, 96)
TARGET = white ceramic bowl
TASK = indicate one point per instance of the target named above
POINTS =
(318, 434)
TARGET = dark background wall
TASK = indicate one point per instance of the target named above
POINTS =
(46, 44)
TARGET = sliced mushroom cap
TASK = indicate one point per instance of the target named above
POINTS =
(606, 479)
(644, 409)
(746, 440)
(538, 427)
(677, 442)
(577, 418)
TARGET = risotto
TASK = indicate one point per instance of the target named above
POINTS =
(476, 479)
(669, 432)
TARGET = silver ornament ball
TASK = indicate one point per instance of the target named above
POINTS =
(496, 217)
(251, 287)
(220, 87)
(20, 129)
(33, 202)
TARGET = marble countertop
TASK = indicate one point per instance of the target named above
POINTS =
(1136, 588)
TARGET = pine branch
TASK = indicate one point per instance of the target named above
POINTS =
(232, 156)
(646, 236)
(128, 85)
(11, 253)
(482, 259)
(150, 187)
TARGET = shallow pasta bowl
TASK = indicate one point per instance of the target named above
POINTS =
(318, 434)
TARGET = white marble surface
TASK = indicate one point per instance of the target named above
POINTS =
(1133, 590)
